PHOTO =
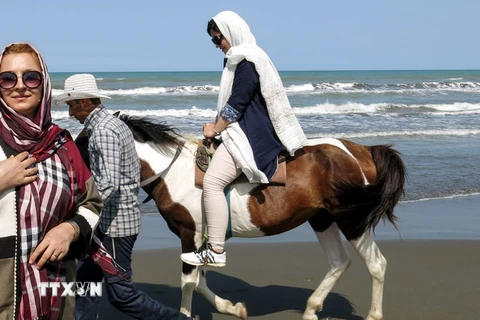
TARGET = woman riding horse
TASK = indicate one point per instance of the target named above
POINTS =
(254, 119)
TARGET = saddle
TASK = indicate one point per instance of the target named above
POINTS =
(205, 150)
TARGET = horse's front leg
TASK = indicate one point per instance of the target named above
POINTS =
(190, 280)
(338, 259)
(377, 265)
(222, 305)
(193, 278)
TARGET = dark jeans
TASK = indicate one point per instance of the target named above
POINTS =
(121, 291)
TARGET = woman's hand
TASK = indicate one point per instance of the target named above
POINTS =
(208, 131)
(15, 171)
(54, 246)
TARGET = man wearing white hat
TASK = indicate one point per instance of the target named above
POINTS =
(116, 170)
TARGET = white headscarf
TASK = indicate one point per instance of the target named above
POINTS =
(243, 46)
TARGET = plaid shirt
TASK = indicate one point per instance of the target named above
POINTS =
(116, 170)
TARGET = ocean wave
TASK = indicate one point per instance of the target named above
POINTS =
(153, 91)
(422, 88)
(352, 107)
(451, 196)
(175, 113)
(196, 114)
(327, 108)
(372, 134)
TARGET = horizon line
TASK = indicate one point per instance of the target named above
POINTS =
(299, 70)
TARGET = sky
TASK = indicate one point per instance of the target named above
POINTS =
(155, 35)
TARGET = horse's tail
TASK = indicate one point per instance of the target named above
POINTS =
(390, 182)
(362, 207)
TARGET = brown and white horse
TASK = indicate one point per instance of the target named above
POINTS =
(336, 185)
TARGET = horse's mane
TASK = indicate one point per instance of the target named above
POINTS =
(146, 130)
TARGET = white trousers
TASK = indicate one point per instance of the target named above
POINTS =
(221, 172)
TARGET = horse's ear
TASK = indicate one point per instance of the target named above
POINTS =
(116, 114)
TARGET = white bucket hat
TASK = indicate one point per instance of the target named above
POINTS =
(79, 86)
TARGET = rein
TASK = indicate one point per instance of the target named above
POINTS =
(153, 178)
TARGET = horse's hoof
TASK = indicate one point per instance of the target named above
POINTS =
(310, 317)
(242, 308)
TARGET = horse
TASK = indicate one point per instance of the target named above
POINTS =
(337, 186)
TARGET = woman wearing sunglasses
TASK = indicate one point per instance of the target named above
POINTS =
(255, 121)
(49, 204)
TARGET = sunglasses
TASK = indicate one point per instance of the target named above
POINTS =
(217, 39)
(31, 79)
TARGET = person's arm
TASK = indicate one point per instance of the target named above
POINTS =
(245, 85)
(105, 163)
(211, 130)
(86, 219)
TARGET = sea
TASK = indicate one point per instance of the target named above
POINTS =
(432, 117)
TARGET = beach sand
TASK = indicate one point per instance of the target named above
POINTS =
(426, 280)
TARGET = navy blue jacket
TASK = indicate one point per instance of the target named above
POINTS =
(253, 117)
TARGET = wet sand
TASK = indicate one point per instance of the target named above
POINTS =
(426, 279)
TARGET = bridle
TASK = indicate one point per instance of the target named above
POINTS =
(153, 178)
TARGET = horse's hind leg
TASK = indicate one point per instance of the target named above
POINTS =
(222, 305)
(338, 259)
(376, 264)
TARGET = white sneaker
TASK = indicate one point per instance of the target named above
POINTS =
(205, 256)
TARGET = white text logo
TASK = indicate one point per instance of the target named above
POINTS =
(70, 289)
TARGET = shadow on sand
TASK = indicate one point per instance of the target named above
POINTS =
(267, 302)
